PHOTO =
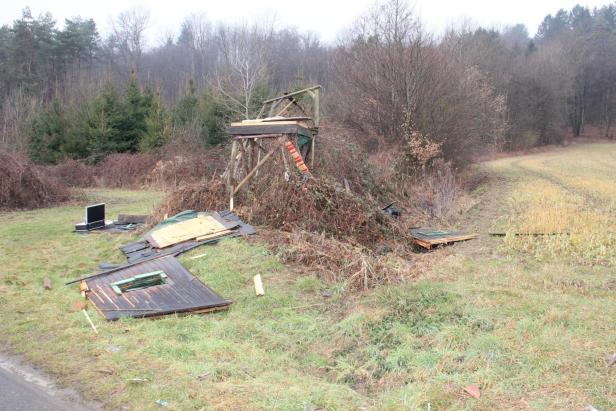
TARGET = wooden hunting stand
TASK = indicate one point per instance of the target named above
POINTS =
(256, 141)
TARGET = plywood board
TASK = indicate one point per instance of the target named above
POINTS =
(201, 226)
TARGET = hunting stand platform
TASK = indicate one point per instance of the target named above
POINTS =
(256, 141)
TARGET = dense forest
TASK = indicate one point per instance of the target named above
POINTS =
(66, 92)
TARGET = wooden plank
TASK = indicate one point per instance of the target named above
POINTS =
(269, 128)
(214, 235)
(253, 136)
(231, 165)
(258, 285)
(260, 122)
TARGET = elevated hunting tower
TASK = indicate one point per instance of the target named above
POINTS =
(256, 141)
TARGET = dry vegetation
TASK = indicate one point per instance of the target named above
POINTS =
(22, 185)
(527, 320)
(332, 223)
(168, 168)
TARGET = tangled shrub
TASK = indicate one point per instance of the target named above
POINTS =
(72, 173)
(22, 185)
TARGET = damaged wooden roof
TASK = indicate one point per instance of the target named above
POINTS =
(181, 293)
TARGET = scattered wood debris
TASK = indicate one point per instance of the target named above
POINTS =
(142, 250)
(85, 313)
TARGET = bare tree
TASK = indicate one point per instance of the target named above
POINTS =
(128, 30)
(242, 70)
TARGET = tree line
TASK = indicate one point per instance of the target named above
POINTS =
(68, 92)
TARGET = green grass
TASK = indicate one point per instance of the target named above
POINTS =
(530, 321)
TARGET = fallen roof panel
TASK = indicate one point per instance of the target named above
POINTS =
(182, 293)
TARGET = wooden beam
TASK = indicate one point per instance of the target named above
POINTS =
(284, 159)
(254, 170)
(312, 141)
(245, 155)
(286, 107)
(257, 136)
(230, 166)
(295, 93)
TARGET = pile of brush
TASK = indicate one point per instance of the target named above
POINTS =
(359, 267)
(316, 205)
(23, 186)
(317, 224)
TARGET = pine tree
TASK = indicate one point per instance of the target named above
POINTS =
(102, 127)
(48, 134)
(186, 109)
(133, 125)
(157, 124)
(214, 119)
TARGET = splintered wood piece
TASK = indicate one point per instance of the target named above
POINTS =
(214, 235)
(258, 285)
(83, 288)
(85, 313)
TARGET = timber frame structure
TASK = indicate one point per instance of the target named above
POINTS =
(256, 141)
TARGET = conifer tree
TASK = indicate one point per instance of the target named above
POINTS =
(157, 124)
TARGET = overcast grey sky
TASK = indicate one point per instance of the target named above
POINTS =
(324, 17)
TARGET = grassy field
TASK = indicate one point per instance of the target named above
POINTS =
(529, 320)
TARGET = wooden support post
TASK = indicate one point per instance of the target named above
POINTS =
(284, 160)
(253, 154)
(256, 147)
(231, 166)
(254, 170)
(316, 117)
(314, 137)
(245, 155)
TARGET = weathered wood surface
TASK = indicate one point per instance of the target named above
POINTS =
(427, 238)
(182, 293)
